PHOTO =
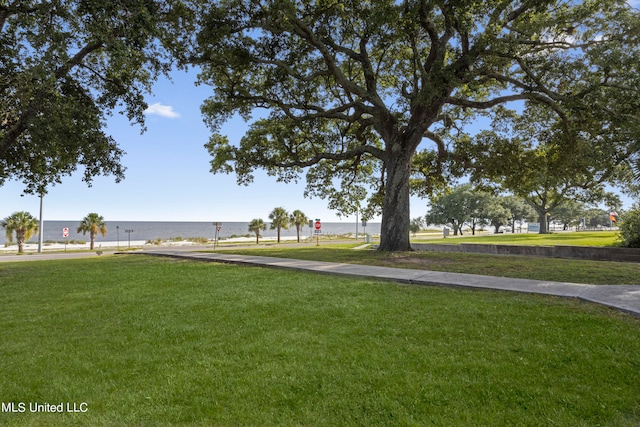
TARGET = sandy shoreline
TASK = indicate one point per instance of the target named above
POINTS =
(33, 247)
(144, 244)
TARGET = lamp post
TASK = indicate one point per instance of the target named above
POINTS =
(118, 235)
(41, 228)
(129, 233)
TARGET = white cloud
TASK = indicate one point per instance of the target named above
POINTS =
(161, 110)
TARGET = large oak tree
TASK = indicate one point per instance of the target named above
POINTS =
(356, 89)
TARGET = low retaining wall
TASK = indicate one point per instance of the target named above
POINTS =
(597, 253)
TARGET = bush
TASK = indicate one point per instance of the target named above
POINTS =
(630, 228)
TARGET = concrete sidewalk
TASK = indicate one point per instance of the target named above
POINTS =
(621, 297)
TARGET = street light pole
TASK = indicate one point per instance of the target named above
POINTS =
(129, 233)
(41, 228)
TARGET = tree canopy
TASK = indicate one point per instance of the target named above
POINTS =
(23, 224)
(549, 162)
(453, 209)
(368, 94)
(299, 219)
(65, 65)
(630, 228)
(92, 224)
(280, 219)
(255, 226)
(464, 205)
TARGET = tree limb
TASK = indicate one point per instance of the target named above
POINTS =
(20, 125)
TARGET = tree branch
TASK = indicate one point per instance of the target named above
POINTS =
(6, 11)
(483, 105)
(346, 155)
(20, 125)
(302, 30)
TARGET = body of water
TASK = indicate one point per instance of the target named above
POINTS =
(143, 230)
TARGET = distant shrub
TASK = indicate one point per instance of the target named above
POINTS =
(630, 228)
(201, 240)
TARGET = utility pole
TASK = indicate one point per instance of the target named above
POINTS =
(41, 227)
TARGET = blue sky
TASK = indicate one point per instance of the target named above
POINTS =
(167, 176)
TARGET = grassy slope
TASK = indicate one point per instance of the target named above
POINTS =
(554, 269)
(588, 238)
(162, 342)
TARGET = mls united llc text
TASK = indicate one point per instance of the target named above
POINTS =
(20, 407)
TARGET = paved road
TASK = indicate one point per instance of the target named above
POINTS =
(34, 256)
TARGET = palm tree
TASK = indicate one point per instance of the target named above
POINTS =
(93, 224)
(279, 219)
(298, 218)
(23, 224)
(255, 226)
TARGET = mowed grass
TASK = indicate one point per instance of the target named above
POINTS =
(583, 238)
(157, 342)
(523, 267)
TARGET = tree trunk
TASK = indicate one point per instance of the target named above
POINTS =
(394, 232)
(542, 210)
(542, 218)
(20, 240)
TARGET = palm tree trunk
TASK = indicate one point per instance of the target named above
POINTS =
(20, 239)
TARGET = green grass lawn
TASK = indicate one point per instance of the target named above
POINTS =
(524, 267)
(586, 238)
(157, 342)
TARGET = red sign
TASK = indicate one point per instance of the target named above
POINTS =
(218, 228)
(317, 225)
(65, 232)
